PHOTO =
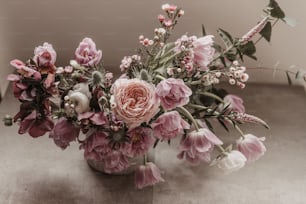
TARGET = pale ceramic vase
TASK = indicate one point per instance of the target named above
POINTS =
(134, 163)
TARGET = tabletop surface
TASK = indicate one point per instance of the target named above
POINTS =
(35, 171)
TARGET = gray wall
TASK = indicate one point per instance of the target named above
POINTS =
(116, 24)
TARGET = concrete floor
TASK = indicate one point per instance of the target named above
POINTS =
(35, 171)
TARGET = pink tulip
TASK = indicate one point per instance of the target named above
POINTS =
(198, 145)
(147, 175)
(233, 161)
(235, 103)
(169, 125)
(251, 147)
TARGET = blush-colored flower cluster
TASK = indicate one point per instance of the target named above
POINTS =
(166, 91)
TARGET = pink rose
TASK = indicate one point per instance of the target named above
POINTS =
(198, 145)
(169, 125)
(64, 132)
(45, 56)
(203, 51)
(173, 93)
(251, 147)
(87, 54)
(134, 101)
(147, 175)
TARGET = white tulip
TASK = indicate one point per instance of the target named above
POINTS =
(233, 161)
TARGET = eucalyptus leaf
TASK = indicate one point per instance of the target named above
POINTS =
(223, 124)
(248, 49)
(276, 11)
(203, 30)
(266, 31)
(226, 37)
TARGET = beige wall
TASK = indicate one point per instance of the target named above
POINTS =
(116, 24)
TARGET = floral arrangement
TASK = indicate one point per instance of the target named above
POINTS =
(167, 90)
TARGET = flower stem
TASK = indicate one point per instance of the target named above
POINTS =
(160, 77)
(239, 130)
(145, 159)
(189, 116)
(221, 148)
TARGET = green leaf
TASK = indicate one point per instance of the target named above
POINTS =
(223, 124)
(203, 30)
(155, 143)
(226, 37)
(288, 78)
(276, 11)
(248, 49)
(266, 31)
(209, 125)
(231, 56)
(211, 95)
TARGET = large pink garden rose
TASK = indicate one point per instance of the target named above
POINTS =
(87, 54)
(173, 93)
(134, 101)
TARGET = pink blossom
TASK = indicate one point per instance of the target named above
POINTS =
(44, 56)
(251, 147)
(24, 70)
(87, 54)
(169, 125)
(109, 76)
(96, 118)
(168, 22)
(233, 161)
(140, 141)
(203, 51)
(34, 125)
(236, 103)
(134, 101)
(173, 93)
(161, 18)
(68, 69)
(198, 145)
(169, 8)
(147, 175)
(64, 132)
